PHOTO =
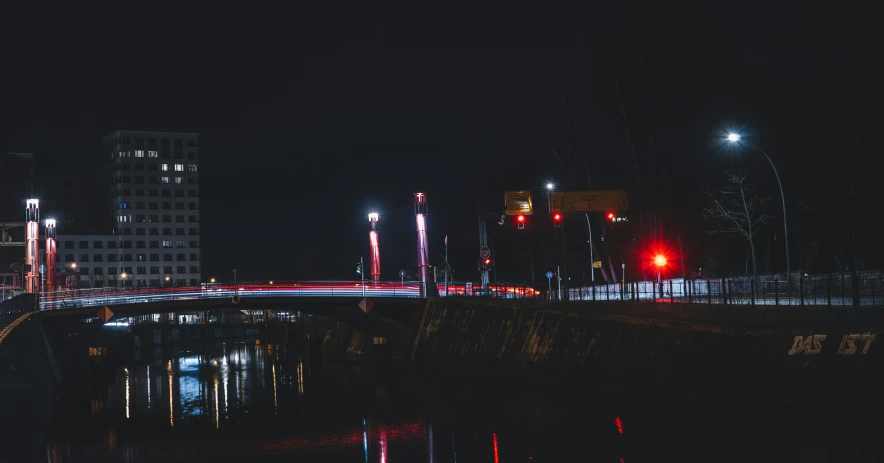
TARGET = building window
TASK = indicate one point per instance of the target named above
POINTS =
(141, 270)
(139, 217)
(69, 244)
(179, 167)
(191, 168)
(164, 180)
(155, 232)
(126, 258)
(167, 205)
(83, 245)
(98, 270)
(180, 244)
(194, 269)
(193, 206)
(151, 167)
(140, 180)
(98, 258)
(112, 245)
(84, 258)
(139, 142)
(155, 270)
(167, 217)
(126, 231)
(167, 231)
(140, 245)
(139, 153)
(152, 181)
(111, 258)
(69, 258)
(97, 245)
(167, 244)
(84, 270)
(153, 193)
(139, 231)
(125, 245)
(112, 270)
(154, 244)
(164, 167)
(181, 269)
(139, 166)
(181, 257)
(179, 231)
(191, 193)
(167, 270)
(194, 244)
(179, 207)
(179, 218)
(141, 257)
(191, 181)
(191, 218)
(179, 194)
(193, 231)
(191, 143)
(178, 180)
(153, 205)
(194, 256)
(154, 257)
(167, 257)
(151, 154)
(167, 193)
(191, 155)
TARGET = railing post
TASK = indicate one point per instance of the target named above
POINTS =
(801, 290)
(776, 291)
(752, 289)
(671, 295)
(828, 292)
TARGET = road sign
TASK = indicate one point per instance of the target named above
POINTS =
(597, 264)
(366, 305)
(105, 314)
(484, 252)
(402, 274)
(588, 201)
(518, 202)
(549, 275)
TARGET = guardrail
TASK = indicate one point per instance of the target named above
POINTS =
(235, 293)
(12, 309)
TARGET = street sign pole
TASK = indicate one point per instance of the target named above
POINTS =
(549, 276)
(559, 277)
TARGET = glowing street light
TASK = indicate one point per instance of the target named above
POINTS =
(74, 265)
(735, 138)
(660, 260)
(550, 186)
(211, 280)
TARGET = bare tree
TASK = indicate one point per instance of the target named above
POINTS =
(737, 210)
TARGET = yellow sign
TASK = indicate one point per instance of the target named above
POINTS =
(597, 264)
(518, 203)
(588, 201)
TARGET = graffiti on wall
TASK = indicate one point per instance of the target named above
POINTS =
(851, 344)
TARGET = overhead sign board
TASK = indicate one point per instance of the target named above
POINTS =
(588, 201)
(518, 203)
(597, 264)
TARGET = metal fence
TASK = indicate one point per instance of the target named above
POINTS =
(831, 290)
(13, 308)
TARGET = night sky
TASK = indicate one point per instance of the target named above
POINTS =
(309, 124)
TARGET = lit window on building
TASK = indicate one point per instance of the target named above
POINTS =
(191, 167)
(139, 153)
(164, 179)
(179, 167)
(151, 154)
(164, 167)
(178, 180)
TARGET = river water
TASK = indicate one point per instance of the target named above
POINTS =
(239, 401)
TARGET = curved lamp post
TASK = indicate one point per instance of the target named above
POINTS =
(736, 138)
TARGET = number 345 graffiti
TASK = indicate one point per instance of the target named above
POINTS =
(813, 344)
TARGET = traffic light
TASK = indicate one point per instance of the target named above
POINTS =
(611, 216)
(359, 268)
(557, 219)
(486, 262)
(660, 260)
(520, 222)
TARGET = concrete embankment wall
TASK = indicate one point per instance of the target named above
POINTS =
(496, 339)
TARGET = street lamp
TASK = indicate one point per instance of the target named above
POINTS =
(123, 279)
(736, 138)
(211, 280)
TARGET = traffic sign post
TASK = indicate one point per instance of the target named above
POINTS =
(402, 276)
(549, 276)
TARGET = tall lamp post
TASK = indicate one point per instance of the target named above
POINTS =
(736, 138)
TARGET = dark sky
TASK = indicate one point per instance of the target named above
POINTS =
(308, 124)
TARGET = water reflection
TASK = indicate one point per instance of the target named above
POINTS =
(246, 402)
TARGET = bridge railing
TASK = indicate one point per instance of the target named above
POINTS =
(13, 308)
(97, 297)
(831, 290)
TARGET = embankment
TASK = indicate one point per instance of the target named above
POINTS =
(840, 361)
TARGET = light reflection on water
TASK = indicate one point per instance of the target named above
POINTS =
(245, 402)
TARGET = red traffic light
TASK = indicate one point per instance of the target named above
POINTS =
(660, 260)
(520, 218)
(487, 261)
(611, 216)
(557, 217)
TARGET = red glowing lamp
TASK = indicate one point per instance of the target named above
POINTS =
(610, 216)
(520, 218)
(660, 260)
